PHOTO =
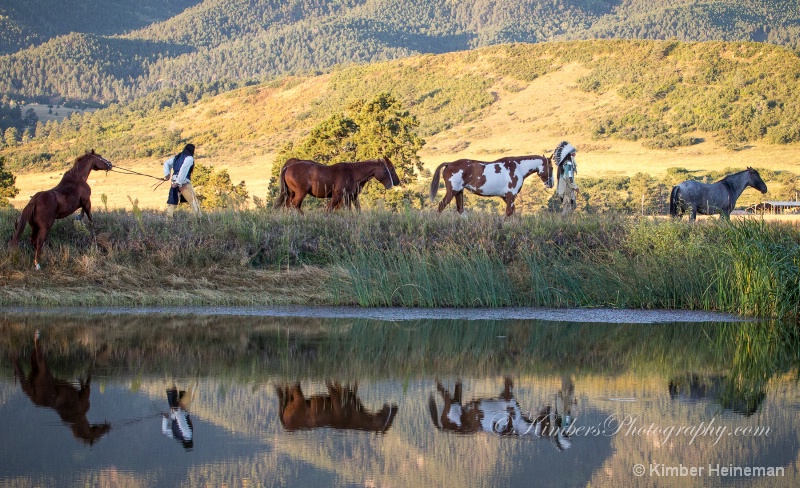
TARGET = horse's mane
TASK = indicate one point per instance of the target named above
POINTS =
(76, 164)
(727, 179)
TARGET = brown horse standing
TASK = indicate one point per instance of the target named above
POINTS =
(341, 182)
(501, 178)
(339, 409)
(71, 403)
(69, 195)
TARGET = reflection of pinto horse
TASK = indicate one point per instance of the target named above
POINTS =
(340, 409)
(501, 178)
(341, 182)
(501, 415)
(71, 403)
(71, 194)
(715, 198)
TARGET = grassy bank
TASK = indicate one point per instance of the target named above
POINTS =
(409, 259)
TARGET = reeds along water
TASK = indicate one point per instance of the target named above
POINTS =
(418, 258)
(259, 348)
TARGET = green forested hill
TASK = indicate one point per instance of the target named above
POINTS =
(106, 50)
(31, 22)
(660, 94)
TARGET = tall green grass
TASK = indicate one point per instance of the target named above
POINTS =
(411, 258)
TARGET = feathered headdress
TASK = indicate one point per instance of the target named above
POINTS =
(563, 151)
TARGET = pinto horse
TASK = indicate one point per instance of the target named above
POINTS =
(70, 194)
(501, 178)
(339, 409)
(714, 198)
(501, 415)
(341, 182)
(71, 403)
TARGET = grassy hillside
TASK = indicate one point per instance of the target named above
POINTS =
(629, 107)
(60, 54)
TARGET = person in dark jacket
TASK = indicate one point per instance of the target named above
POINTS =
(181, 167)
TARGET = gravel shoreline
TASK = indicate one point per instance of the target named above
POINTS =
(585, 315)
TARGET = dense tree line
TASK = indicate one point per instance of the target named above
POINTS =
(14, 125)
(737, 92)
(66, 54)
(33, 22)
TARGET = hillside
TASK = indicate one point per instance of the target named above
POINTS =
(53, 52)
(629, 106)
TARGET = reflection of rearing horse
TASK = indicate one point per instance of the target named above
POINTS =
(71, 403)
(340, 409)
(501, 415)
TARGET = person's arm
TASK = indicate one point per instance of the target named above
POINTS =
(185, 167)
(168, 167)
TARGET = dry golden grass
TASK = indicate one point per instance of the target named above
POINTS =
(242, 132)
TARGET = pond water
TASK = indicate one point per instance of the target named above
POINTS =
(337, 399)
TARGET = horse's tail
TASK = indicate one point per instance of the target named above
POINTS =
(435, 181)
(284, 194)
(23, 220)
(673, 201)
(434, 411)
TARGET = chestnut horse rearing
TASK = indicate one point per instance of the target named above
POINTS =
(341, 182)
(339, 409)
(501, 178)
(72, 193)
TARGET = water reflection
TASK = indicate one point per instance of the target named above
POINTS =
(501, 415)
(70, 402)
(177, 424)
(719, 389)
(340, 408)
(297, 401)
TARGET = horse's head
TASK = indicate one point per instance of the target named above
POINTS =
(99, 163)
(755, 180)
(546, 174)
(388, 177)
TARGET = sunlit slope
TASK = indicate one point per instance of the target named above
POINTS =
(628, 106)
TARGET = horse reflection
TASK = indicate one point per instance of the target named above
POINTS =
(500, 415)
(71, 403)
(339, 409)
(720, 389)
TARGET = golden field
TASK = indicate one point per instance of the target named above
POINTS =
(243, 130)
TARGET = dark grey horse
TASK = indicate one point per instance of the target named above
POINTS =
(715, 198)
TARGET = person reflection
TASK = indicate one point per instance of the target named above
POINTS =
(71, 403)
(499, 415)
(339, 409)
(177, 424)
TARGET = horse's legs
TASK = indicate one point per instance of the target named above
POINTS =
(297, 201)
(86, 208)
(336, 200)
(448, 197)
(508, 384)
(509, 198)
(37, 245)
(460, 202)
(457, 392)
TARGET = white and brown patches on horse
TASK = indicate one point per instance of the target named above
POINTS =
(513, 179)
